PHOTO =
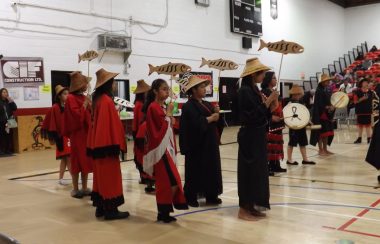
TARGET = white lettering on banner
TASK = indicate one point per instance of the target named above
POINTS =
(10, 69)
(14, 69)
(33, 68)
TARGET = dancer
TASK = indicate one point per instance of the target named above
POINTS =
(199, 142)
(77, 118)
(297, 137)
(106, 139)
(52, 129)
(276, 125)
(363, 108)
(138, 130)
(160, 156)
(254, 112)
(323, 113)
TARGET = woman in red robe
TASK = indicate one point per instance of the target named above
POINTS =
(52, 129)
(106, 138)
(160, 155)
(77, 118)
(138, 131)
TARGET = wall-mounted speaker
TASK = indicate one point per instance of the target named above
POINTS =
(247, 42)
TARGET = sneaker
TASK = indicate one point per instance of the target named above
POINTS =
(76, 194)
(87, 192)
(64, 182)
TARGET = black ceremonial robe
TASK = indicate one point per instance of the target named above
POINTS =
(253, 174)
(199, 142)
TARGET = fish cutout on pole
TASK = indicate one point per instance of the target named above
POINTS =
(283, 47)
(87, 56)
(171, 69)
(220, 64)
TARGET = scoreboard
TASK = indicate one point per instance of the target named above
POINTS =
(245, 17)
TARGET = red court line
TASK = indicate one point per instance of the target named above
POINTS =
(353, 220)
(361, 214)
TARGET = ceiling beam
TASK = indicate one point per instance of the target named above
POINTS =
(341, 3)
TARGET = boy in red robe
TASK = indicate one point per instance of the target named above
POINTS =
(52, 129)
(106, 139)
(77, 118)
(160, 155)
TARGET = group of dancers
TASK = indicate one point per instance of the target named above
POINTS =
(90, 136)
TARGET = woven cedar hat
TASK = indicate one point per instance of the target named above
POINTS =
(195, 80)
(325, 77)
(296, 90)
(78, 81)
(102, 76)
(142, 87)
(252, 66)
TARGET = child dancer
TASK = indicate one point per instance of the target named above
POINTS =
(77, 117)
(106, 138)
(160, 156)
(297, 137)
(52, 129)
(138, 129)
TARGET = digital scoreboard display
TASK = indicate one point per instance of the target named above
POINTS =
(246, 17)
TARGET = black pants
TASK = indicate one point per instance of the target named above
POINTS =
(5, 139)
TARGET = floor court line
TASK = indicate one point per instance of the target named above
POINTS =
(361, 214)
(233, 182)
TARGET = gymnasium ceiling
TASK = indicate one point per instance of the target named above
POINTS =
(354, 3)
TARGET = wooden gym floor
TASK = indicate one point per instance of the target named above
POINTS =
(338, 199)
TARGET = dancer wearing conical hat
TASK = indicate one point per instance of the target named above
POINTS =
(106, 139)
(52, 130)
(253, 174)
(77, 117)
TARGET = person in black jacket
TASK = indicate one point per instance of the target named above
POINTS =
(199, 142)
(7, 107)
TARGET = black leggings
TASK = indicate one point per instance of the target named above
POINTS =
(5, 139)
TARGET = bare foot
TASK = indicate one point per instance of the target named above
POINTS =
(330, 153)
(246, 215)
(323, 153)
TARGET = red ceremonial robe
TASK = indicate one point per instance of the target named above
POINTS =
(106, 139)
(52, 129)
(77, 120)
(138, 147)
(160, 158)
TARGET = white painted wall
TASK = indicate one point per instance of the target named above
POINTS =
(362, 24)
(192, 32)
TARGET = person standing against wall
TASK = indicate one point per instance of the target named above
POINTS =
(7, 107)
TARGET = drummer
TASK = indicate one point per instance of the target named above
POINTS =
(297, 137)
(323, 113)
